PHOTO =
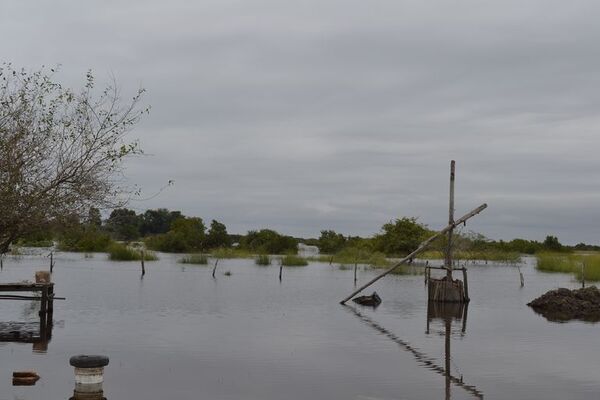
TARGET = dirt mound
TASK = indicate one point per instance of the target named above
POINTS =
(564, 304)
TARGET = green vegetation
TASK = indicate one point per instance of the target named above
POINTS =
(267, 241)
(581, 265)
(199, 259)
(331, 242)
(591, 268)
(263, 259)
(557, 262)
(352, 255)
(292, 260)
(401, 236)
(217, 236)
(121, 252)
(84, 238)
(186, 234)
(474, 255)
(226, 253)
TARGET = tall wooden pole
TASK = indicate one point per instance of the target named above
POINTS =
(450, 222)
(419, 249)
(142, 260)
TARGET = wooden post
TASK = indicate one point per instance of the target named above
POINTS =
(419, 249)
(450, 222)
(215, 267)
(280, 268)
(44, 302)
(2, 261)
(355, 267)
(521, 276)
(466, 285)
(51, 261)
(143, 256)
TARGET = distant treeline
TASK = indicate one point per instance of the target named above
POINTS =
(171, 231)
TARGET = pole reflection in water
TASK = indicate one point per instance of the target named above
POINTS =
(446, 312)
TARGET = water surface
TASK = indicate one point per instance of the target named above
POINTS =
(179, 333)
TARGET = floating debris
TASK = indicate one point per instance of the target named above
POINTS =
(372, 301)
(25, 378)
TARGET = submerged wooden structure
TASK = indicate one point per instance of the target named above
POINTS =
(446, 289)
(24, 332)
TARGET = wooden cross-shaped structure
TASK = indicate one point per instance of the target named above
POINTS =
(439, 289)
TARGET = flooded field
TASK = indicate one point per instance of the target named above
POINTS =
(178, 333)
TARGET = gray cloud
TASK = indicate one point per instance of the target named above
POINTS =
(308, 115)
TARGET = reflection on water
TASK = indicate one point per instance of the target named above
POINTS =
(447, 312)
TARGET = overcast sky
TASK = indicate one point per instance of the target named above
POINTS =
(305, 115)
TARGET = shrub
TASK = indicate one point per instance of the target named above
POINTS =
(292, 260)
(85, 239)
(199, 259)
(121, 252)
(231, 253)
(263, 259)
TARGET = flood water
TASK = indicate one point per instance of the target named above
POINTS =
(180, 334)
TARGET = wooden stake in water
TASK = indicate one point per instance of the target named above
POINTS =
(521, 276)
(142, 260)
(51, 261)
(215, 267)
(355, 267)
(280, 268)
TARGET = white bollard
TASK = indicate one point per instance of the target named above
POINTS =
(89, 376)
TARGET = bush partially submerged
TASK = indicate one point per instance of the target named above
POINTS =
(224, 252)
(121, 252)
(263, 259)
(199, 259)
(292, 260)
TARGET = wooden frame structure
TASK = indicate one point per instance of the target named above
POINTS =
(20, 332)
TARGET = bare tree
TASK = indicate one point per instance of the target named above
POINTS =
(61, 151)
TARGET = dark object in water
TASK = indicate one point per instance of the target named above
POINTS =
(372, 301)
(562, 304)
(25, 378)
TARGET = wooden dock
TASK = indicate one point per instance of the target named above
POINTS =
(26, 332)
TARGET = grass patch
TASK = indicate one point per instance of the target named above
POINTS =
(557, 262)
(121, 252)
(198, 259)
(591, 268)
(581, 265)
(292, 260)
(263, 259)
(351, 256)
(226, 253)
